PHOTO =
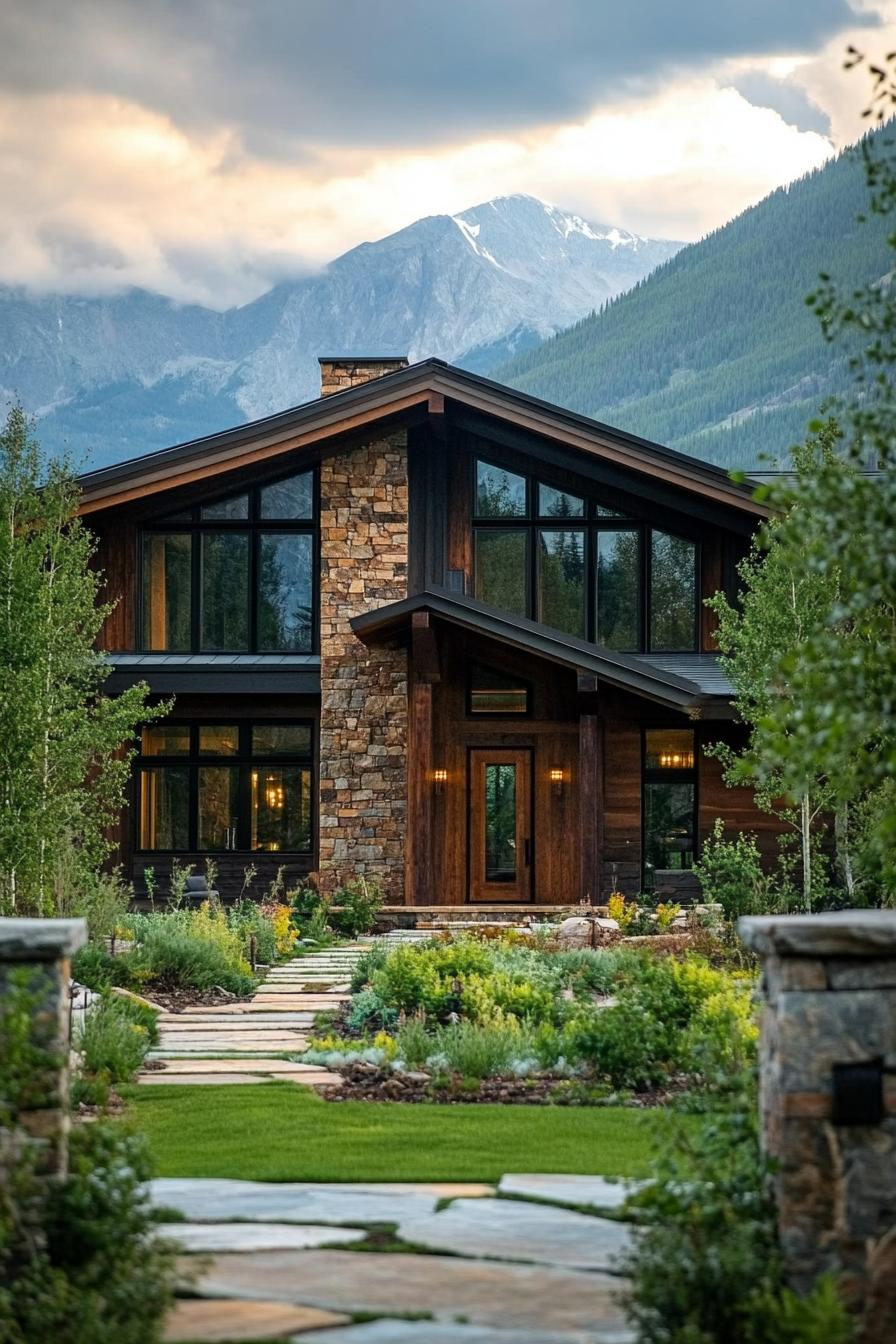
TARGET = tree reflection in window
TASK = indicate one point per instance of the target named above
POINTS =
(500, 823)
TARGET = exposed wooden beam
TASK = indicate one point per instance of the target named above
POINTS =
(425, 647)
(418, 846)
(590, 806)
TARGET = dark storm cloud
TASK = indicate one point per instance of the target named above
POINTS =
(788, 100)
(288, 72)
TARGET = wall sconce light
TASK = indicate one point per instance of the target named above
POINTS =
(439, 777)
(556, 778)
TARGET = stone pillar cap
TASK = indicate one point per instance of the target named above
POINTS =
(836, 933)
(40, 939)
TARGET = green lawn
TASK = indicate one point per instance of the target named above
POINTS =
(281, 1132)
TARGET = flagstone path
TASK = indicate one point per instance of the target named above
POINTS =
(246, 1042)
(517, 1272)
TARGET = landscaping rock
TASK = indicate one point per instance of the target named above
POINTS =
(201, 1237)
(387, 1331)
(596, 1191)
(590, 931)
(221, 1321)
(512, 1230)
(219, 1200)
(513, 1298)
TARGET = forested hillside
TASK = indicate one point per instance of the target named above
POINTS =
(716, 353)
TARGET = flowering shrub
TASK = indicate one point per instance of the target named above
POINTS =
(279, 916)
(624, 912)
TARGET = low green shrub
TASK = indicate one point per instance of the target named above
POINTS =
(476, 1051)
(94, 967)
(114, 1037)
(625, 1044)
(359, 904)
(192, 948)
(731, 874)
(369, 1012)
(413, 1043)
(247, 919)
(365, 966)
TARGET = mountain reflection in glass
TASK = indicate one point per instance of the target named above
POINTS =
(499, 493)
(561, 580)
(673, 594)
(284, 592)
(500, 823)
(292, 498)
(225, 591)
(500, 565)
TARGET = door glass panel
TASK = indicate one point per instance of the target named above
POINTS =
(281, 808)
(284, 591)
(558, 504)
(292, 498)
(166, 739)
(218, 807)
(500, 562)
(673, 593)
(165, 807)
(225, 591)
(234, 508)
(219, 739)
(499, 493)
(619, 589)
(561, 580)
(166, 591)
(500, 823)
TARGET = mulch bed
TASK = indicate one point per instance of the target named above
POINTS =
(181, 1000)
(366, 1082)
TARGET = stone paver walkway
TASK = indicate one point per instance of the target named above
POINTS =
(238, 1043)
(519, 1272)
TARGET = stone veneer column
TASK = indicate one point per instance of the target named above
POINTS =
(34, 954)
(829, 985)
(364, 711)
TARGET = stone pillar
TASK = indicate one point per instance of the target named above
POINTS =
(828, 1098)
(364, 691)
(34, 964)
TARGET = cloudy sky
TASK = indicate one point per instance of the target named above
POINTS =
(207, 148)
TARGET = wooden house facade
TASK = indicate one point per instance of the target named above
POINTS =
(431, 630)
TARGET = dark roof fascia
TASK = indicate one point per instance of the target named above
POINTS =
(409, 386)
(616, 669)
(216, 675)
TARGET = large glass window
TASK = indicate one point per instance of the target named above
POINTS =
(501, 560)
(669, 804)
(234, 574)
(608, 578)
(217, 787)
(167, 581)
(561, 579)
(673, 593)
(618, 589)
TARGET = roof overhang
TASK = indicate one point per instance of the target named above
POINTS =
(417, 392)
(625, 672)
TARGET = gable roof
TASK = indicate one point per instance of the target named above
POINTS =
(691, 688)
(420, 389)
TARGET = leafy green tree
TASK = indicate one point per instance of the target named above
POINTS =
(839, 718)
(64, 757)
(782, 604)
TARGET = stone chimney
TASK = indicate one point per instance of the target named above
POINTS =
(337, 372)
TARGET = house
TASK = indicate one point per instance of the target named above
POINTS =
(428, 629)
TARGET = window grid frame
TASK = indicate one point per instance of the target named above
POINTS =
(592, 524)
(244, 762)
(254, 526)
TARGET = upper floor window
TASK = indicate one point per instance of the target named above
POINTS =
(582, 567)
(235, 574)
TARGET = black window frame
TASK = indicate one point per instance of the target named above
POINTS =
(244, 761)
(668, 775)
(256, 526)
(514, 715)
(591, 523)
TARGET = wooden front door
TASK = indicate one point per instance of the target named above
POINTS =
(500, 825)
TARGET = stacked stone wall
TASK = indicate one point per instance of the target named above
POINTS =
(828, 1093)
(364, 711)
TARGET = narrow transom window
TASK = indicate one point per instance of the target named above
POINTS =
(493, 692)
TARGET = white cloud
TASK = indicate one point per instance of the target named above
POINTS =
(100, 192)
